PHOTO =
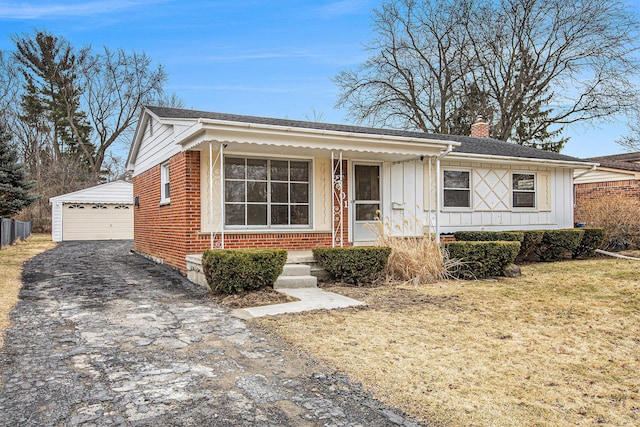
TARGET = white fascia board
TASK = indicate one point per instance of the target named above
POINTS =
(137, 139)
(310, 138)
(520, 160)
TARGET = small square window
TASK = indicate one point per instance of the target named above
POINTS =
(524, 190)
(457, 189)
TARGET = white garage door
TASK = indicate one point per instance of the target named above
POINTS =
(97, 222)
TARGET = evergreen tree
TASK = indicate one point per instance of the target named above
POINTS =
(14, 187)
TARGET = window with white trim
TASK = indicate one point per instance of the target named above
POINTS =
(456, 189)
(524, 190)
(267, 193)
(165, 183)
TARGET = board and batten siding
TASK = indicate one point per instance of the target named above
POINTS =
(491, 198)
(402, 197)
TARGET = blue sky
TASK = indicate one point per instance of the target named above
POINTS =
(267, 58)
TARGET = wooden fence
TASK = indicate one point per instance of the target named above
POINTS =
(12, 230)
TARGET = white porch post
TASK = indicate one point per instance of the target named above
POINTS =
(438, 192)
(221, 196)
(338, 195)
(211, 194)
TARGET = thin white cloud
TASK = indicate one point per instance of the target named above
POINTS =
(342, 7)
(37, 10)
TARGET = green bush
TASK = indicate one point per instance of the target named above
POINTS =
(488, 236)
(355, 264)
(556, 243)
(233, 271)
(531, 240)
(591, 240)
(482, 259)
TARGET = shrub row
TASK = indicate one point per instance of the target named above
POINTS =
(482, 259)
(543, 245)
(233, 271)
(353, 264)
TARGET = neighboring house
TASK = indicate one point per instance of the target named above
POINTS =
(204, 180)
(103, 212)
(618, 174)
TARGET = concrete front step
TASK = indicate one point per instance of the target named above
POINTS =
(296, 270)
(300, 271)
(294, 282)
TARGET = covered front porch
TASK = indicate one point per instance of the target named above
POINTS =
(297, 188)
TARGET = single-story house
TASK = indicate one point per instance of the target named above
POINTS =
(618, 174)
(210, 180)
(103, 212)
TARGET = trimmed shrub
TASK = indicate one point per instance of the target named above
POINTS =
(531, 240)
(354, 264)
(556, 243)
(591, 240)
(482, 259)
(489, 236)
(233, 271)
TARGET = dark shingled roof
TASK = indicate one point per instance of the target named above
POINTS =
(619, 161)
(482, 146)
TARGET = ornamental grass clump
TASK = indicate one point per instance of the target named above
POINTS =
(413, 259)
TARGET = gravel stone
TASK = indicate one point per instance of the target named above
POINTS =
(102, 336)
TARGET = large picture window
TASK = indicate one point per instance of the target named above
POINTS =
(266, 193)
(457, 189)
(524, 190)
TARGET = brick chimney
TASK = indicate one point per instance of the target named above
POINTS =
(480, 129)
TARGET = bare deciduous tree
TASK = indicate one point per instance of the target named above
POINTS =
(531, 66)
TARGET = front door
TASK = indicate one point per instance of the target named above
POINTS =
(367, 201)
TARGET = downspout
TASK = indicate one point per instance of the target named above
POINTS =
(593, 169)
(439, 189)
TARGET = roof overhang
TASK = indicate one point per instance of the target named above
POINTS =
(522, 160)
(258, 138)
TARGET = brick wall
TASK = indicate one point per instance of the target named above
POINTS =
(598, 190)
(172, 231)
(163, 231)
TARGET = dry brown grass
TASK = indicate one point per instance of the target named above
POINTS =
(11, 260)
(413, 260)
(558, 346)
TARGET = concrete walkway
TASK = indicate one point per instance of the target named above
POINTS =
(310, 299)
(102, 336)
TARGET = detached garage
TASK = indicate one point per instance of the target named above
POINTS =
(103, 212)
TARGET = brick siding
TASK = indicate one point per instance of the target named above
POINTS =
(170, 232)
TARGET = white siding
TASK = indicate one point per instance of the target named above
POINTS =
(56, 221)
(491, 199)
(155, 149)
(118, 192)
(605, 175)
(403, 197)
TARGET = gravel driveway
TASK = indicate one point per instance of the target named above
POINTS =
(102, 336)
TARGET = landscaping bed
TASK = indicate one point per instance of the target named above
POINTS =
(557, 346)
